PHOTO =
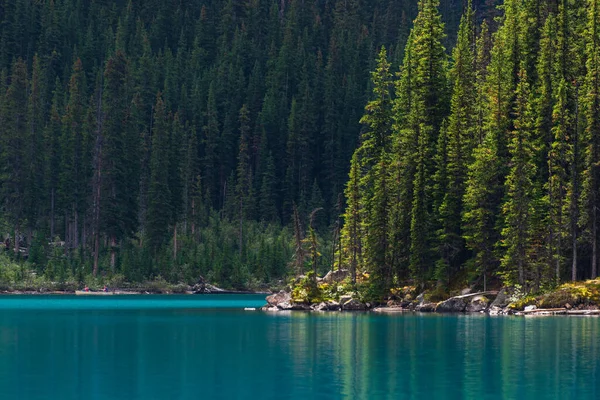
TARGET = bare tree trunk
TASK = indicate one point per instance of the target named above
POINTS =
(17, 241)
(52, 214)
(575, 187)
(594, 240)
(175, 242)
(97, 182)
(298, 238)
(193, 217)
(113, 245)
(559, 245)
(241, 237)
(75, 227)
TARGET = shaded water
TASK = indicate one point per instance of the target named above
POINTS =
(207, 347)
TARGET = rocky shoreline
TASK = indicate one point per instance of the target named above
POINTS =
(198, 289)
(489, 302)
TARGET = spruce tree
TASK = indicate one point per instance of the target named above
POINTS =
(73, 182)
(591, 185)
(159, 215)
(13, 136)
(558, 162)
(461, 140)
(422, 106)
(519, 205)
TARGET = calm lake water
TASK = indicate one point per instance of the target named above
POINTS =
(207, 347)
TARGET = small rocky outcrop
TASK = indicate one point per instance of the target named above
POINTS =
(452, 305)
(501, 301)
(478, 304)
(426, 307)
(281, 298)
(202, 287)
(473, 302)
(336, 276)
(326, 306)
(353, 305)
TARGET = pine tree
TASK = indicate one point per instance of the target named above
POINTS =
(591, 185)
(482, 61)
(422, 108)
(210, 141)
(73, 182)
(34, 191)
(558, 161)
(159, 215)
(14, 162)
(353, 225)
(51, 153)
(376, 244)
(244, 173)
(461, 139)
(267, 202)
(118, 216)
(518, 207)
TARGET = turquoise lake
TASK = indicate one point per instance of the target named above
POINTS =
(208, 347)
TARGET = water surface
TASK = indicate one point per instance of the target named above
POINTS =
(208, 347)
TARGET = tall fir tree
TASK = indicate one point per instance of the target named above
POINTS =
(591, 185)
(461, 139)
(14, 162)
(518, 208)
(159, 215)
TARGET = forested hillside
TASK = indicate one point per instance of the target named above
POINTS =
(482, 164)
(175, 138)
(229, 139)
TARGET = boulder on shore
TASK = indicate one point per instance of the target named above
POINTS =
(336, 276)
(453, 304)
(277, 299)
(353, 305)
(478, 304)
(501, 300)
(425, 307)
(326, 306)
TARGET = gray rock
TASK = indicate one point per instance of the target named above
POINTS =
(285, 305)
(453, 304)
(501, 300)
(345, 298)
(326, 306)
(478, 304)
(495, 310)
(277, 298)
(353, 305)
(421, 298)
(394, 304)
(300, 307)
(206, 288)
(426, 307)
(530, 308)
(336, 276)
(466, 291)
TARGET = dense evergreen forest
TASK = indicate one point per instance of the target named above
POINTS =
(230, 139)
(172, 139)
(482, 165)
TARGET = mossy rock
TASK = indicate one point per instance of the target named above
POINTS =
(524, 302)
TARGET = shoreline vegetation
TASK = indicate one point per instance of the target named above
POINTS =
(335, 292)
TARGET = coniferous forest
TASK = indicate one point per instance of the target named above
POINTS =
(247, 140)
